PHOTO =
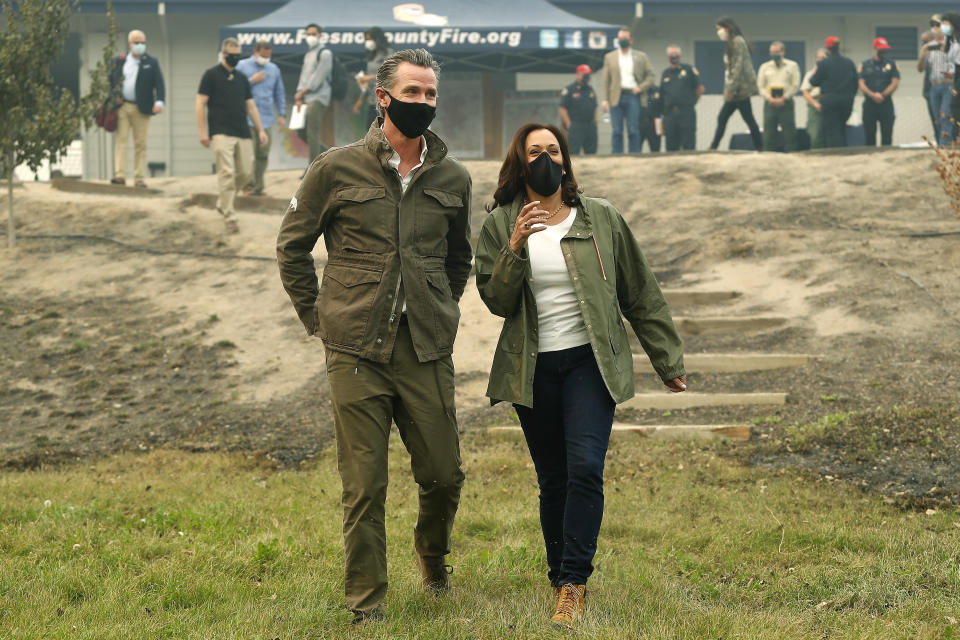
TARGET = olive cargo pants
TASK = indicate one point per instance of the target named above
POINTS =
(367, 396)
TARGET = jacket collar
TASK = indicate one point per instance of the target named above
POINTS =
(376, 142)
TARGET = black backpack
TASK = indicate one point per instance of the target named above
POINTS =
(339, 79)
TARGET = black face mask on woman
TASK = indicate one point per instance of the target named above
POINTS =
(545, 175)
(411, 118)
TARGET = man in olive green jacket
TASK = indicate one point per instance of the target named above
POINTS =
(610, 277)
(394, 211)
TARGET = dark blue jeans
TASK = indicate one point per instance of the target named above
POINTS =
(567, 432)
(627, 109)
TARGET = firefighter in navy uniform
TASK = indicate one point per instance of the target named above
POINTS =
(578, 111)
(649, 115)
(680, 89)
(879, 78)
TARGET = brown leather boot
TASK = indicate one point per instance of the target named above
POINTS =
(556, 595)
(436, 574)
(569, 604)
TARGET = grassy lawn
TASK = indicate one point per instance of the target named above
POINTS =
(694, 545)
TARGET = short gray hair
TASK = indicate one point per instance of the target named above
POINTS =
(229, 42)
(387, 73)
(778, 45)
(674, 46)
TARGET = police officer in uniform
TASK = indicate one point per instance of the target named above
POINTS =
(879, 78)
(578, 111)
(649, 115)
(680, 89)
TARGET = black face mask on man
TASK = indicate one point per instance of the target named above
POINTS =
(232, 59)
(545, 175)
(411, 118)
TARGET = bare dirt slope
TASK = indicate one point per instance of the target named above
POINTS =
(105, 347)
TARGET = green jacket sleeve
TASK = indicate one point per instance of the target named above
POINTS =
(302, 225)
(459, 251)
(500, 272)
(643, 305)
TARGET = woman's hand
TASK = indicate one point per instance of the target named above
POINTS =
(529, 216)
(677, 384)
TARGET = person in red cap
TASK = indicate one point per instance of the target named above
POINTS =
(879, 78)
(578, 111)
(836, 75)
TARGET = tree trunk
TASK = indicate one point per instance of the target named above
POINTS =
(11, 232)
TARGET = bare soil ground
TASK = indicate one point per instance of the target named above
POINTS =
(105, 347)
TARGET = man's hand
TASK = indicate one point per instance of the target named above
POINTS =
(204, 139)
(878, 97)
(157, 109)
(605, 106)
(282, 122)
(298, 97)
(677, 385)
(263, 138)
(636, 90)
(818, 106)
(258, 77)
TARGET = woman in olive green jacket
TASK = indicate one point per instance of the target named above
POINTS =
(561, 268)
(740, 82)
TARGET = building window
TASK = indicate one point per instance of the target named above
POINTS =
(904, 42)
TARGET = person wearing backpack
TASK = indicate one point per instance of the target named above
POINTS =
(315, 89)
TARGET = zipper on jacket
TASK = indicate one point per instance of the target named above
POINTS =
(599, 259)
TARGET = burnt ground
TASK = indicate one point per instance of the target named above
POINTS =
(100, 363)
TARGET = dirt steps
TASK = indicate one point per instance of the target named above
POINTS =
(101, 188)
(719, 363)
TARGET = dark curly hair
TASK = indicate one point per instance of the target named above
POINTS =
(516, 168)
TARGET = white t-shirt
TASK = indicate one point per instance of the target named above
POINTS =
(560, 320)
(627, 81)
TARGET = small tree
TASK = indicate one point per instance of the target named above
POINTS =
(35, 122)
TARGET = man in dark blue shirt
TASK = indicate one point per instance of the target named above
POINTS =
(879, 78)
(680, 90)
(578, 111)
(836, 75)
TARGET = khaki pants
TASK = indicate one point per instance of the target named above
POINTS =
(260, 157)
(234, 157)
(367, 396)
(129, 118)
(313, 124)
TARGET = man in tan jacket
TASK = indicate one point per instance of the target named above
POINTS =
(626, 76)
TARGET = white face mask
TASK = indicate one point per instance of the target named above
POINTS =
(261, 60)
(312, 41)
(139, 48)
(946, 29)
(370, 45)
(722, 34)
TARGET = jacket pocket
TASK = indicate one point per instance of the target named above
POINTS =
(365, 219)
(346, 297)
(511, 337)
(435, 213)
(446, 310)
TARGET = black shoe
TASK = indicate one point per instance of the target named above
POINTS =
(117, 181)
(361, 617)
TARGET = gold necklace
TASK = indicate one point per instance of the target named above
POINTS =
(555, 211)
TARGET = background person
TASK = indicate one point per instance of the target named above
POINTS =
(136, 80)
(578, 112)
(879, 78)
(836, 75)
(680, 90)
(627, 75)
(935, 66)
(266, 83)
(388, 327)
(811, 95)
(778, 81)
(563, 359)
(224, 102)
(950, 26)
(740, 82)
(378, 49)
(650, 116)
(313, 89)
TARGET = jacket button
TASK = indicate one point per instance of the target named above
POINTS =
(533, 355)
(379, 340)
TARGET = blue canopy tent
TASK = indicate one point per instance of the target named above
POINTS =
(465, 35)
(496, 38)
